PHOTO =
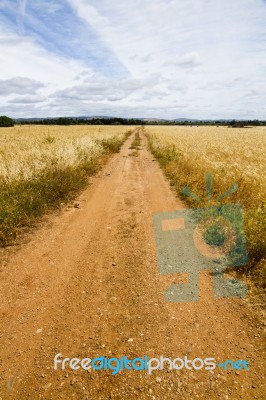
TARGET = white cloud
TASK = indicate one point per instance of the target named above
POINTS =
(186, 58)
(21, 56)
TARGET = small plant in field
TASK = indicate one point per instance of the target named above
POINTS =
(49, 139)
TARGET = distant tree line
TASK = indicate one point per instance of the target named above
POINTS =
(5, 121)
(242, 124)
(82, 121)
(232, 123)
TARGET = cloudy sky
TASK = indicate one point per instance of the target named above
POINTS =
(134, 58)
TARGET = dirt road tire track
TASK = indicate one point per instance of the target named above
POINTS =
(87, 284)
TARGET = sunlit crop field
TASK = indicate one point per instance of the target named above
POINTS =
(44, 167)
(28, 150)
(232, 155)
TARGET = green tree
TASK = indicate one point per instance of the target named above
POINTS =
(6, 121)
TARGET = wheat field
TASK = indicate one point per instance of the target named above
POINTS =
(44, 167)
(232, 156)
(28, 150)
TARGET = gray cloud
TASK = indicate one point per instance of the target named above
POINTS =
(99, 88)
(188, 60)
(27, 100)
(19, 85)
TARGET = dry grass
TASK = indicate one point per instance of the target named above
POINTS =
(136, 142)
(26, 151)
(232, 156)
(42, 166)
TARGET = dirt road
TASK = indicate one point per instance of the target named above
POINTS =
(87, 285)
